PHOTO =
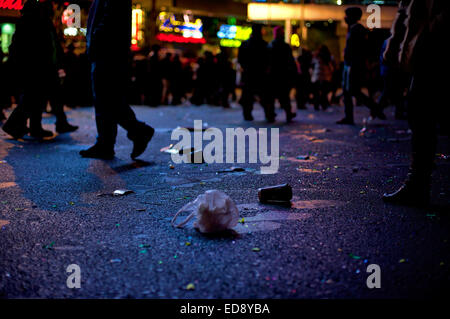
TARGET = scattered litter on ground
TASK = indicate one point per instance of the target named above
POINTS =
(303, 157)
(256, 249)
(116, 260)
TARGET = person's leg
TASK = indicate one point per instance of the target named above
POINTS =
(247, 101)
(267, 97)
(285, 103)
(416, 189)
(104, 118)
(16, 124)
(348, 97)
(56, 102)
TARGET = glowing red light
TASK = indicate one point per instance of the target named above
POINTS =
(11, 4)
(178, 39)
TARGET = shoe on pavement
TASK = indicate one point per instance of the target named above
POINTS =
(41, 133)
(409, 196)
(346, 121)
(98, 151)
(65, 128)
(14, 132)
(290, 116)
(141, 141)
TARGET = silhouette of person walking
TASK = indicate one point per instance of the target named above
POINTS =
(108, 44)
(355, 67)
(253, 58)
(282, 75)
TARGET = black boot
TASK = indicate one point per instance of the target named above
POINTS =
(40, 133)
(141, 139)
(98, 151)
(65, 127)
(346, 121)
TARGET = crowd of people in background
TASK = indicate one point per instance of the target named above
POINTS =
(262, 71)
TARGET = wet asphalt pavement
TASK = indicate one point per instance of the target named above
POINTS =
(56, 210)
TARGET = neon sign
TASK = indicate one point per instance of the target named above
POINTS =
(235, 32)
(230, 43)
(178, 38)
(233, 35)
(11, 4)
(169, 24)
(137, 35)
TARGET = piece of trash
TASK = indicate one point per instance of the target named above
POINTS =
(187, 243)
(170, 149)
(354, 256)
(18, 209)
(71, 203)
(49, 246)
(122, 192)
(278, 193)
(232, 170)
(190, 286)
(171, 167)
(140, 209)
(256, 249)
(303, 157)
(355, 169)
(242, 220)
(116, 260)
(401, 261)
(215, 211)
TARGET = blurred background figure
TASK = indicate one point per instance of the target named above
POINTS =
(323, 68)
(176, 81)
(303, 83)
(153, 83)
(355, 67)
(254, 57)
(282, 75)
(5, 99)
(38, 64)
(227, 79)
(394, 84)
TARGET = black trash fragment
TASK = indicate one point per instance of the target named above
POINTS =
(232, 170)
(276, 194)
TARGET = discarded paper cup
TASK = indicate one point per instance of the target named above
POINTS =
(279, 193)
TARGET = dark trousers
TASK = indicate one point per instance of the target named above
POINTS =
(426, 104)
(109, 83)
(352, 85)
(32, 103)
(320, 91)
(251, 90)
(280, 92)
